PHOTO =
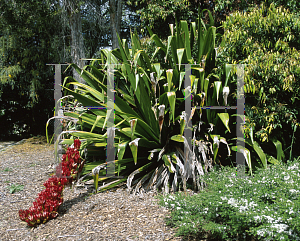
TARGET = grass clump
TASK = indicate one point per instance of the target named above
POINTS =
(265, 207)
(15, 188)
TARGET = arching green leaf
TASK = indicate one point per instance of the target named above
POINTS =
(121, 149)
(134, 149)
(177, 138)
(96, 122)
(168, 163)
(280, 153)
(172, 99)
(180, 55)
(246, 154)
(225, 119)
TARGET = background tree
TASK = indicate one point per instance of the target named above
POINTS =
(115, 20)
(34, 33)
(95, 26)
(27, 43)
(72, 9)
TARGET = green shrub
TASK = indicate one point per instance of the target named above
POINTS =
(265, 207)
(267, 41)
(221, 6)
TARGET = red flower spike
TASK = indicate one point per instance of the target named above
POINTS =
(46, 205)
(77, 143)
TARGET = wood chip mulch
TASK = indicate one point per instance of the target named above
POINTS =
(113, 215)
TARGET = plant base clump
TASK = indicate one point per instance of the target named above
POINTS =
(46, 205)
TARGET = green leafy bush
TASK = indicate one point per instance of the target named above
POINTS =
(266, 40)
(221, 6)
(265, 207)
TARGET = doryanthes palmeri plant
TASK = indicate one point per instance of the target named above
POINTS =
(149, 111)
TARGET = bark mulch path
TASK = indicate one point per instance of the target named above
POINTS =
(82, 216)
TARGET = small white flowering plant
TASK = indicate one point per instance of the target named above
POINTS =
(265, 207)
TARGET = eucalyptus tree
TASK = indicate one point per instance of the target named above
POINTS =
(72, 9)
(95, 26)
(115, 20)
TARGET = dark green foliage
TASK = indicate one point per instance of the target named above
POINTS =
(27, 44)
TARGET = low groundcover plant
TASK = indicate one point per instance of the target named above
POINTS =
(46, 205)
(265, 207)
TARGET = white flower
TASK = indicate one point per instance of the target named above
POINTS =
(170, 93)
(172, 197)
(225, 94)
(211, 128)
(295, 166)
(257, 218)
(293, 190)
(280, 227)
(216, 140)
(261, 232)
(183, 115)
(270, 219)
(161, 109)
(243, 208)
(134, 142)
(252, 204)
(152, 79)
(231, 201)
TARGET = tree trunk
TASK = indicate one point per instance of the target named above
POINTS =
(115, 21)
(77, 46)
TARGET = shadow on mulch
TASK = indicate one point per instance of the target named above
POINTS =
(67, 204)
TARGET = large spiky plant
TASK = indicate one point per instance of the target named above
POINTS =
(149, 117)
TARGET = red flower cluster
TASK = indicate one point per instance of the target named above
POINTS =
(46, 205)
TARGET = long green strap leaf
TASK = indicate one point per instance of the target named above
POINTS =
(246, 154)
(187, 46)
(180, 53)
(96, 122)
(280, 153)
